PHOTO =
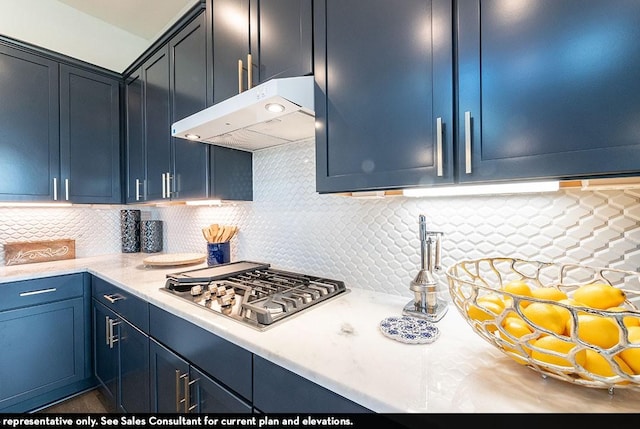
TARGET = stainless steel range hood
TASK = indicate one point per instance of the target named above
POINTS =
(251, 120)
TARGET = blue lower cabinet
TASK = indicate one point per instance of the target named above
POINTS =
(179, 387)
(121, 361)
(44, 341)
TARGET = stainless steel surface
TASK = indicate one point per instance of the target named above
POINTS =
(252, 293)
(424, 286)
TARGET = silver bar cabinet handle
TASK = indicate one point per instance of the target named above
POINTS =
(37, 292)
(107, 330)
(168, 176)
(112, 298)
(439, 146)
(137, 189)
(188, 407)
(112, 338)
(55, 189)
(164, 186)
(467, 142)
(66, 189)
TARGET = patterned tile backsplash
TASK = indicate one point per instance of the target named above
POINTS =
(368, 243)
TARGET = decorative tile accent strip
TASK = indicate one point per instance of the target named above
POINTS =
(38, 251)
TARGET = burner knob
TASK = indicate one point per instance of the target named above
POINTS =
(196, 290)
(227, 299)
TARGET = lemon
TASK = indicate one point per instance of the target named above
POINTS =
(628, 321)
(550, 293)
(599, 295)
(488, 308)
(517, 287)
(632, 355)
(596, 330)
(517, 327)
(549, 342)
(548, 316)
(597, 364)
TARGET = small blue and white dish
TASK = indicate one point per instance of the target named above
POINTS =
(410, 330)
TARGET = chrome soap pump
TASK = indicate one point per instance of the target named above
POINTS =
(426, 303)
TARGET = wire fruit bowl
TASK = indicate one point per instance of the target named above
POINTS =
(483, 292)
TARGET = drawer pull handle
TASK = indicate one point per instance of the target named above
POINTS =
(439, 147)
(113, 298)
(38, 292)
(467, 142)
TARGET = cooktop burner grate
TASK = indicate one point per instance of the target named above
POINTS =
(252, 293)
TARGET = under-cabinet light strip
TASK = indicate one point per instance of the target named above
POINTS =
(501, 188)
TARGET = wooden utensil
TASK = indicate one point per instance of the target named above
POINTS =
(214, 231)
(226, 234)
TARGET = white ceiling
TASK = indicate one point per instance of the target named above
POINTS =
(108, 33)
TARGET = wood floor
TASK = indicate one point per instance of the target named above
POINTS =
(85, 403)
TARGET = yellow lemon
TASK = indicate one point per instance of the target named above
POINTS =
(597, 364)
(549, 293)
(517, 287)
(632, 355)
(627, 320)
(596, 330)
(547, 316)
(599, 295)
(517, 327)
(549, 342)
(488, 308)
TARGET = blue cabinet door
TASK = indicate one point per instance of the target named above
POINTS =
(43, 348)
(281, 38)
(188, 77)
(121, 361)
(134, 143)
(105, 357)
(178, 387)
(169, 374)
(133, 365)
(29, 126)
(384, 96)
(548, 89)
(89, 137)
(157, 125)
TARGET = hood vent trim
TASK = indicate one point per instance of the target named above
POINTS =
(243, 122)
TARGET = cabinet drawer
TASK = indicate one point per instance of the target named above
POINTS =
(221, 359)
(127, 305)
(278, 390)
(40, 291)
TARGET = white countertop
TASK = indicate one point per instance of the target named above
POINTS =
(338, 345)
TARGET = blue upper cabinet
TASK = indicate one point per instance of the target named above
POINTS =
(255, 40)
(89, 137)
(384, 96)
(29, 126)
(281, 38)
(548, 89)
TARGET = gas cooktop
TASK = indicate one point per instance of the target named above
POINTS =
(252, 293)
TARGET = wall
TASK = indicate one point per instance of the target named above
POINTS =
(369, 244)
